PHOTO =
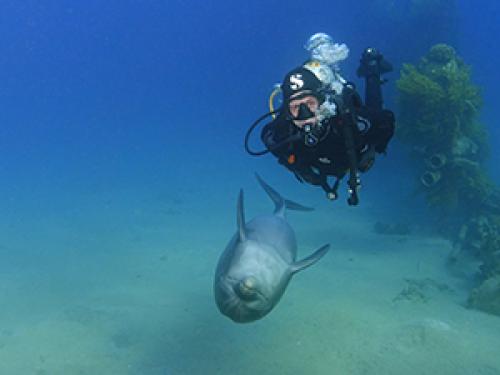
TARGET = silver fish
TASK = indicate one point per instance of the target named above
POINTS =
(259, 261)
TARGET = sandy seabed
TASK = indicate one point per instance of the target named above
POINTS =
(136, 299)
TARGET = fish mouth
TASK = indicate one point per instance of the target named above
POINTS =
(233, 281)
(236, 308)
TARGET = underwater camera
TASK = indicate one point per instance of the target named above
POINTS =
(372, 63)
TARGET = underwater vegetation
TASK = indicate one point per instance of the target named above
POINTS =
(439, 107)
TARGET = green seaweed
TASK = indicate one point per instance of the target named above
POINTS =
(438, 101)
(439, 106)
(438, 110)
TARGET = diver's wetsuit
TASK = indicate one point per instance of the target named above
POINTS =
(329, 156)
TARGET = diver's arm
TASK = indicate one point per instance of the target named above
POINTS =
(277, 138)
(272, 136)
(372, 66)
(307, 174)
(318, 178)
(381, 127)
(267, 135)
(275, 133)
(383, 130)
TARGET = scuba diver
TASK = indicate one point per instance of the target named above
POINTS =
(323, 130)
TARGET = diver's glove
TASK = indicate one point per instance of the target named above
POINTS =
(372, 63)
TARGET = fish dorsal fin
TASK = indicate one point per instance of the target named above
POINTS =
(280, 204)
(240, 217)
(311, 259)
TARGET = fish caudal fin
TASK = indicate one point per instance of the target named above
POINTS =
(280, 204)
(240, 217)
(311, 259)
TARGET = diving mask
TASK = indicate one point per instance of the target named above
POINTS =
(303, 108)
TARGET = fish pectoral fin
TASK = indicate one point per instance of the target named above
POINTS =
(311, 259)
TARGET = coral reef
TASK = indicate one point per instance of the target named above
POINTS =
(439, 92)
(438, 110)
(485, 297)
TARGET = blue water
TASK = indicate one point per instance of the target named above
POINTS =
(121, 141)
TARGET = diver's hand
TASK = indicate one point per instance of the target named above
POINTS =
(373, 63)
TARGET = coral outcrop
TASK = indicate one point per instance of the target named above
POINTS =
(438, 117)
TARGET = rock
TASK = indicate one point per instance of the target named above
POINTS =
(421, 290)
(487, 296)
